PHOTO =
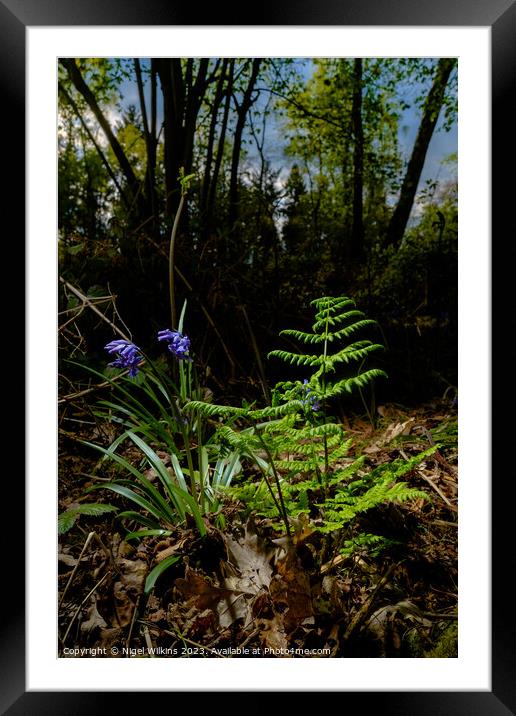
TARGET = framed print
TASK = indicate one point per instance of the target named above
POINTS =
(42, 49)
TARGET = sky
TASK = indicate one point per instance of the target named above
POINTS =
(442, 145)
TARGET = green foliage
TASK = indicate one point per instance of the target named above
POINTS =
(348, 492)
(297, 447)
(158, 570)
(378, 487)
(149, 408)
(67, 519)
(306, 452)
(336, 319)
(446, 434)
(166, 507)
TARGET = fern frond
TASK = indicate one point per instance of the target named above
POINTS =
(244, 442)
(332, 304)
(338, 319)
(275, 411)
(353, 352)
(348, 330)
(302, 336)
(306, 431)
(358, 381)
(295, 358)
(349, 471)
(209, 410)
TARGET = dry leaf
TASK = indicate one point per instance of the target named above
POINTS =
(393, 431)
(94, 620)
(129, 587)
(291, 588)
(273, 636)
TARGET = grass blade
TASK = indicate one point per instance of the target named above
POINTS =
(158, 571)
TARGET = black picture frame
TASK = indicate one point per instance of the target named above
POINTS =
(500, 15)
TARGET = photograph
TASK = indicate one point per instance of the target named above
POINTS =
(258, 401)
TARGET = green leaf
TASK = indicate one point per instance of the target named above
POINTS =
(138, 517)
(94, 509)
(158, 571)
(134, 497)
(165, 509)
(147, 533)
(66, 520)
(177, 495)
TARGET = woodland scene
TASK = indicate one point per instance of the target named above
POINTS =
(258, 408)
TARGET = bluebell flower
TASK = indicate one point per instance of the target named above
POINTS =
(310, 399)
(177, 344)
(128, 355)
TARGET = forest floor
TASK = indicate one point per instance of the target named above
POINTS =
(244, 592)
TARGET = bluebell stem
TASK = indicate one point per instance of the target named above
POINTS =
(128, 355)
(177, 344)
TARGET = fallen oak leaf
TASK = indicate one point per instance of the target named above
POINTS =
(228, 604)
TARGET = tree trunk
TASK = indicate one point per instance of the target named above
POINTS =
(130, 177)
(242, 111)
(431, 110)
(182, 99)
(150, 144)
(171, 81)
(357, 232)
(221, 142)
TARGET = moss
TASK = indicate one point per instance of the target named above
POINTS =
(446, 646)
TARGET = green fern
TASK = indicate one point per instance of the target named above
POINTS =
(334, 323)
(67, 519)
(296, 447)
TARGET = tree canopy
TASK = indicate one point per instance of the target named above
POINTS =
(303, 184)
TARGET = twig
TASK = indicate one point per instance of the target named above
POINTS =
(105, 384)
(263, 379)
(444, 523)
(91, 305)
(435, 615)
(283, 511)
(135, 612)
(254, 633)
(438, 490)
(148, 641)
(171, 254)
(84, 602)
(88, 540)
(178, 635)
(366, 607)
(203, 308)
(432, 485)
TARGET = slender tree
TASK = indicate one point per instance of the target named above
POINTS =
(357, 231)
(242, 108)
(431, 111)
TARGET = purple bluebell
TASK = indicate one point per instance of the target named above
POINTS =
(128, 355)
(310, 399)
(177, 344)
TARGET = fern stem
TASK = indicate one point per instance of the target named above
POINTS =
(282, 511)
(266, 479)
(325, 439)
